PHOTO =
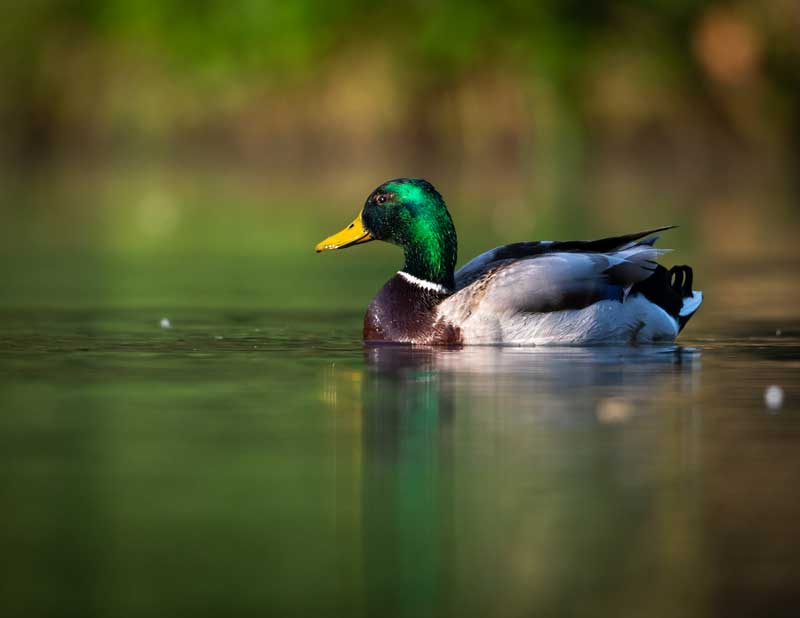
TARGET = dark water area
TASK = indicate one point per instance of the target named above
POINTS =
(253, 457)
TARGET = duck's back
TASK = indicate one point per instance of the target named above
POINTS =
(570, 293)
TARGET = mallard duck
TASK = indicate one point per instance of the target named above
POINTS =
(578, 292)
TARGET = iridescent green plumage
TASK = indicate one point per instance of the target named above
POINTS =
(412, 214)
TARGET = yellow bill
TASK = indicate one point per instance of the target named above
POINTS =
(353, 234)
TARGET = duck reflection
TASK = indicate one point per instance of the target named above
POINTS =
(407, 408)
(562, 384)
(462, 446)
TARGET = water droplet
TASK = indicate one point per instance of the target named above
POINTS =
(773, 397)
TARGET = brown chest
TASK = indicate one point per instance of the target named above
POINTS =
(406, 312)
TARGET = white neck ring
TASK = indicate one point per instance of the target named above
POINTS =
(427, 285)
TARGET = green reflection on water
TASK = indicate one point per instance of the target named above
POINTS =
(292, 471)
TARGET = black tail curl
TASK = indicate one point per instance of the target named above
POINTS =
(668, 289)
(681, 278)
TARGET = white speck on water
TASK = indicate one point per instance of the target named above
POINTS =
(165, 323)
(773, 397)
(778, 332)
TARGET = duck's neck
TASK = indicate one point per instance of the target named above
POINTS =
(432, 259)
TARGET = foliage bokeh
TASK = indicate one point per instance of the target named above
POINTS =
(439, 78)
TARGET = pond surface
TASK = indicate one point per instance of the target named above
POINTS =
(269, 463)
(255, 458)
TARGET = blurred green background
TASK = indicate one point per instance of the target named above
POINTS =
(167, 152)
(283, 83)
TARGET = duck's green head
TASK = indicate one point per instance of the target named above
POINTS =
(408, 212)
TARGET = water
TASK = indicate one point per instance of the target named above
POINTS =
(255, 458)
(265, 462)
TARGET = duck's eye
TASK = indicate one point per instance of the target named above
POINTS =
(381, 199)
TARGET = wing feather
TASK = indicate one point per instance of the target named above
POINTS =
(553, 282)
(506, 254)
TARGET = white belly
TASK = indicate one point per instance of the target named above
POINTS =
(637, 320)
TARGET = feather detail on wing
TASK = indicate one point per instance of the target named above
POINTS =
(633, 265)
(553, 281)
(499, 256)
